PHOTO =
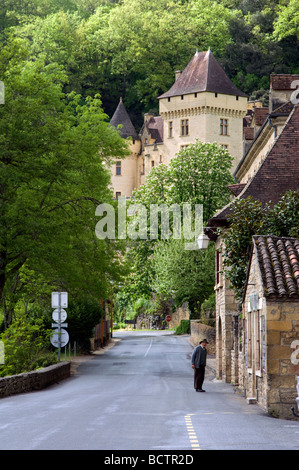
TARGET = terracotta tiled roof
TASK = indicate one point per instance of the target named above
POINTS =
(236, 189)
(282, 81)
(283, 109)
(279, 265)
(203, 73)
(260, 115)
(121, 117)
(248, 133)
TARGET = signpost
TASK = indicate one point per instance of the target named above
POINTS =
(60, 336)
(168, 318)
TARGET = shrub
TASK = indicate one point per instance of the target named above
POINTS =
(183, 328)
(26, 346)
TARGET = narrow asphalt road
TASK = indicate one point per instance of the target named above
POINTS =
(139, 396)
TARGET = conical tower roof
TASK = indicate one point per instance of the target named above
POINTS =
(121, 117)
(203, 73)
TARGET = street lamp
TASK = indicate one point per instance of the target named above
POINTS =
(203, 241)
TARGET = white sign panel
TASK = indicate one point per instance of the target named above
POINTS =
(55, 299)
(63, 315)
(64, 338)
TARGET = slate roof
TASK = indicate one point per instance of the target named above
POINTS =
(260, 115)
(154, 127)
(278, 259)
(121, 117)
(203, 73)
(277, 173)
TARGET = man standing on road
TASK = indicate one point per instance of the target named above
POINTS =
(198, 361)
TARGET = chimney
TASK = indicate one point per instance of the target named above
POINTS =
(147, 116)
(177, 74)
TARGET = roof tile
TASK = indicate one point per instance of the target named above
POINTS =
(278, 259)
(203, 73)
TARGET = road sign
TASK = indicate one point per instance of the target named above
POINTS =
(63, 315)
(56, 296)
(59, 338)
(168, 318)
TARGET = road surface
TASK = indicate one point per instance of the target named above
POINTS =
(139, 396)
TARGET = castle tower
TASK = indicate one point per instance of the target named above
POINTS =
(203, 104)
(124, 178)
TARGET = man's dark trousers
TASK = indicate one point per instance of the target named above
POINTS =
(199, 375)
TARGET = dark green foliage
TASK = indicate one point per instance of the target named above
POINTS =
(250, 218)
(183, 328)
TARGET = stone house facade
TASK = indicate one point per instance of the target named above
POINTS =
(268, 367)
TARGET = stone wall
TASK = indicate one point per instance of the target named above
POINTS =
(35, 380)
(282, 330)
(181, 313)
(200, 331)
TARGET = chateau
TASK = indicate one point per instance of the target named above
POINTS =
(203, 104)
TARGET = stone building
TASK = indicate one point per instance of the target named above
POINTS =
(125, 176)
(270, 325)
(268, 169)
(202, 104)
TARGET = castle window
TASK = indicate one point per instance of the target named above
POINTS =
(117, 195)
(237, 98)
(185, 127)
(118, 168)
(223, 126)
(168, 100)
(216, 95)
(170, 129)
(195, 95)
(182, 97)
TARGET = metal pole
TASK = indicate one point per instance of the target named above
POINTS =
(102, 326)
(59, 325)
(111, 312)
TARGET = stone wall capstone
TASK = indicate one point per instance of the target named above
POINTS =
(34, 380)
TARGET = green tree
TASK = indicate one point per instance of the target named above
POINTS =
(54, 170)
(287, 21)
(183, 276)
(198, 174)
